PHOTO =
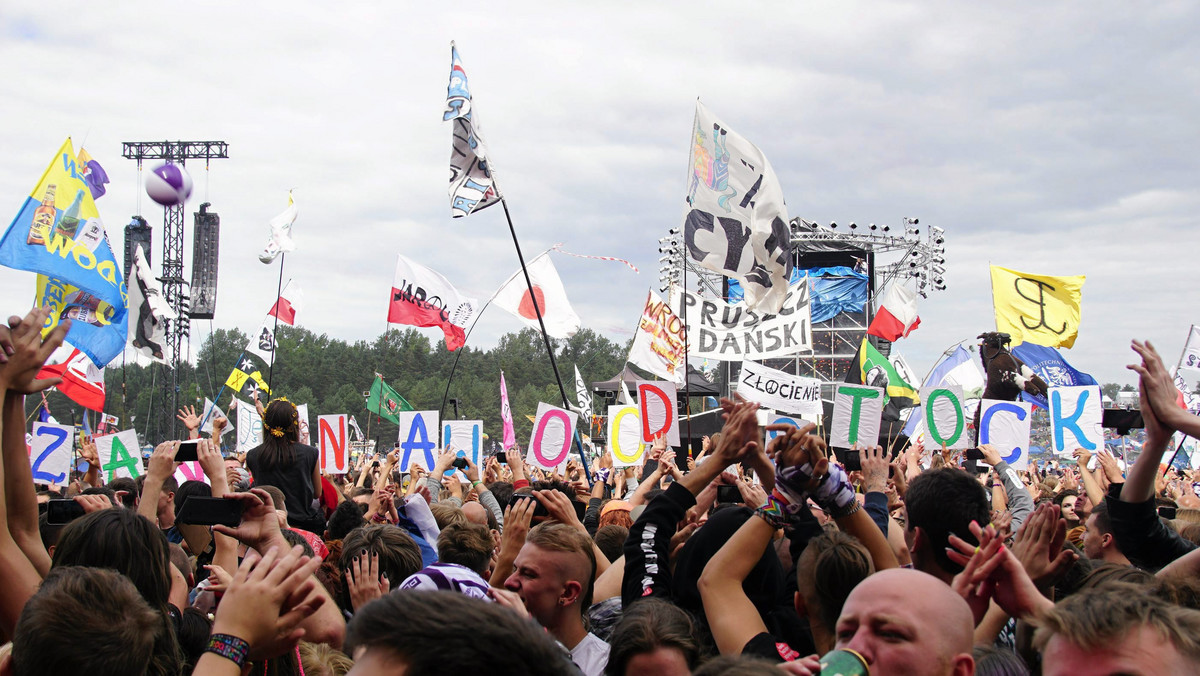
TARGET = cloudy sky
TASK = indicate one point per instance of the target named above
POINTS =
(1058, 139)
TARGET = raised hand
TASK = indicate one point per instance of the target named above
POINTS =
(874, 469)
(364, 580)
(1156, 385)
(30, 352)
(187, 416)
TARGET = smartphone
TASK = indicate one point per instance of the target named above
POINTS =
(62, 512)
(538, 509)
(1167, 512)
(460, 463)
(850, 459)
(974, 454)
(1122, 419)
(187, 451)
(729, 495)
(201, 511)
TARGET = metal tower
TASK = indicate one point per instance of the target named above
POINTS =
(172, 260)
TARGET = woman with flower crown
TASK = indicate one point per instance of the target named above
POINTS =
(292, 467)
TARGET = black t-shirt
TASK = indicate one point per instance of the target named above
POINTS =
(294, 480)
(770, 648)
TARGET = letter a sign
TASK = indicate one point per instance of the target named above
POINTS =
(332, 435)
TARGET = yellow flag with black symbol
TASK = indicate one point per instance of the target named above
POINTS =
(1040, 309)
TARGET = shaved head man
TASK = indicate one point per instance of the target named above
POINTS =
(908, 622)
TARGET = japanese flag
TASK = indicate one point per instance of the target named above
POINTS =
(514, 296)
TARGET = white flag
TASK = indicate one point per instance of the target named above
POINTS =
(737, 223)
(513, 296)
(471, 184)
(281, 233)
(262, 341)
(148, 310)
(584, 394)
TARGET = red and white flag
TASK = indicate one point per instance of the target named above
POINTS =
(289, 303)
(513, 296)
(897, 314)
(422, 297)
(83, 381)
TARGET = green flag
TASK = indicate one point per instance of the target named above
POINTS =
(386, 402)
(872, 368)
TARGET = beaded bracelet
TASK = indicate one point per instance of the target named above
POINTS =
(230, 647)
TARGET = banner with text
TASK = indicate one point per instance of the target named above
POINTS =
(718, 330)
(658, 343)
(945, 418)
(779, 390)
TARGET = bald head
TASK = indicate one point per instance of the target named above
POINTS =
(475, 513)
(906, 621)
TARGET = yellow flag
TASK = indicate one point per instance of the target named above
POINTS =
(1040, 309)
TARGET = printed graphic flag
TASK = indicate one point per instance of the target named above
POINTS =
(422, 297)
(737, 221)
(148, 325)
(93, 174)
(280, 227)
(871, 368)
(1191, 350)
(1048, 363)
(289, 303)
(83, 381)
(358, 433)
(58, 234)
(957, 368)
(471, 184)
(658, 343)
(897, 314)
(246, 378)
(583, 393)
(211, 413)
(1037, 308)
(385, 402)
(510, 435)
(514, 297)
(262, 342)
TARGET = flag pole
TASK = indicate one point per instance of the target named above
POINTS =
(545, 336)
(275, 331)
(459, 354)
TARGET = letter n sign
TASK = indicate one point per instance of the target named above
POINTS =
(331, 435)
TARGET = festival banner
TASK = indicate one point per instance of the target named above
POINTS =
(1048, 363)
(421, 297)
(332, 434)
(659, 342)
(418, 439)
(120, 455)
(1076, 416)
(148, 325)
(510, 435)
(779, 390)
(58, 235)
(657, 408)
(857, 413)
(550, 443)
(280, 227)
(471, 185)
(625, 436)
(50, 452)
(737, 223)
(551, 299)
(249, 426)
(724, 332)
(945, 418)
(1037, 308)
(1005, 425)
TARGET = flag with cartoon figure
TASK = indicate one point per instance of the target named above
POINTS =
(471, 184)
(58, 234)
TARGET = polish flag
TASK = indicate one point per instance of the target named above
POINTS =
(83, 381)
(422, 297)
(548, 295)
(289, 303)
(897, 314)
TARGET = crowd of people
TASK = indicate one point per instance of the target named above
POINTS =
(755, 557)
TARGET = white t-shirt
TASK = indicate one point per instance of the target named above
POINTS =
(591, 655)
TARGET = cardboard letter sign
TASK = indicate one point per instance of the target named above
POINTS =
(1075, 418)
(51, 456)
(418, 438)
(465, 437)
(332, 432)
(657, 409)
(1005, 425)
(120, 455)
(553, 429)
(625, 435)
(857, 411)
(945, 420)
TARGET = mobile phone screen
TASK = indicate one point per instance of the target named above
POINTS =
(201, 511)
(187, 451)
(62, 512)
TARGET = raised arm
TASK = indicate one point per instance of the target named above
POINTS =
(19, 496)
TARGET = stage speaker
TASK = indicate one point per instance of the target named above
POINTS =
(206, 247)
(137, 233)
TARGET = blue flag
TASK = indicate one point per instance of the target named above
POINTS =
(936, 378)
(1050, 365)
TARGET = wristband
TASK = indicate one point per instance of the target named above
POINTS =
(842, 512)
(834, 492)
(475, 483)
(773, 512)
(230, 647)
